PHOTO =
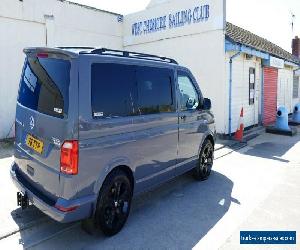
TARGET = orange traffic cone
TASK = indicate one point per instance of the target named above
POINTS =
(240, 130)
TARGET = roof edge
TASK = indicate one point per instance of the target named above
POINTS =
(293, 58)
(90, 7)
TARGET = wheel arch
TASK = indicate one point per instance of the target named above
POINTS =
(210, 138)
(207, 136)
(126, 169)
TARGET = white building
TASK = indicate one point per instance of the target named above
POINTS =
(233, 67)
(45, 23)
(262, 77)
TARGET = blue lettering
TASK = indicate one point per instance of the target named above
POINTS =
(195, 14)
(177, 19)
(182, 18)
(140, 28)
(160, 23)
(133, 29)
(206, 11)
(165, 22)
(154, 24)
(201, 14)
(189, 16)
(137, 29)
(171, 21)
(151, 25)
(146, 27)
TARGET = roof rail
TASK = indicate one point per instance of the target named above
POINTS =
(122, 53)
(76, 47)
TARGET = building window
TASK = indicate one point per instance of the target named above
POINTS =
(251, 85)
(296, 87)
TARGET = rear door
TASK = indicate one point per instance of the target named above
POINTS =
(43, 118)
(191, 121)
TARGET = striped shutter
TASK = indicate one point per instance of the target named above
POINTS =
(270, 95)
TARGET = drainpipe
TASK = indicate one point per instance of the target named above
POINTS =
(230, 89)
(296, 70)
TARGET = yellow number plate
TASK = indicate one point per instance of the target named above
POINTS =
(35, 144)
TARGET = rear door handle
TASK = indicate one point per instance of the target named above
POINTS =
(183, 117)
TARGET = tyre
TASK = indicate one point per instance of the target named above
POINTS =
(202, 170)
(114, 203)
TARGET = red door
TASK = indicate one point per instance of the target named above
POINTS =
(270, 95)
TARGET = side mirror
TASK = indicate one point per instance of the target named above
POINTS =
(206, 104)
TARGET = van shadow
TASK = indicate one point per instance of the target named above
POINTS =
(6, 149)
(178, 214)
(35, 227)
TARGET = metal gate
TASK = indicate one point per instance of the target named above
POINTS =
(270, 95)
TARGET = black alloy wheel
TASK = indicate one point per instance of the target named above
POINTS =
(114, 203)
(205, 162)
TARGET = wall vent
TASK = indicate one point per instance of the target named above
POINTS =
(248, 57)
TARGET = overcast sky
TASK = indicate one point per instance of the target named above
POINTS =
(270, 19)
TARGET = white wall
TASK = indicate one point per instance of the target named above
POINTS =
(297, 100)
(18, 34)
(24, 24)
(198, 46)
(79, 26)
(285, 88)
(206, 60)
(240, 91)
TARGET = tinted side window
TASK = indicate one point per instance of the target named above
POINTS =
(112, 90)
(154, 87)
(189, 98)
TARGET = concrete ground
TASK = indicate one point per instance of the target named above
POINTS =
(255, 187)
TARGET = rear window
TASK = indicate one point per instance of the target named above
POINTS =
(44, 86)
(126, 90)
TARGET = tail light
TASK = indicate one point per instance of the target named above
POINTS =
(42, 55)
(69, 158)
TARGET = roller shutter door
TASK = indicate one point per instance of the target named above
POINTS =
(270, 95)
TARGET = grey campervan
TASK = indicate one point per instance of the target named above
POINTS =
(94, 127)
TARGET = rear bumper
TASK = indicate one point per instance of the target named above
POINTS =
(84, 206)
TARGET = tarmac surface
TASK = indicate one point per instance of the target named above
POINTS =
(253, 186)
